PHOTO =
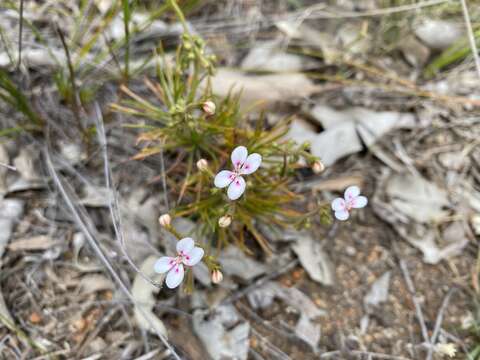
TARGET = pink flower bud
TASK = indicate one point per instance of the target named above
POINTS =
(217, 276)
(209, 107)
(318, 167)
(165, 220)
(225, 221)
(202, 164)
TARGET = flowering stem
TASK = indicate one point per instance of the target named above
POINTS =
(180, 15)
(172, 230)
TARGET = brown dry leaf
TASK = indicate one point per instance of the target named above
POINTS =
(339, 184)
(264, 90)
(94, 283)
(40, 242)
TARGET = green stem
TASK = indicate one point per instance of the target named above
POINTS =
(178, 11)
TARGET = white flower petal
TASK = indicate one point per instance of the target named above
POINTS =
(239, 155)
(342, 215)
(236, 188)
(224, 178)
(351, 193)
(252, 163)
(338, 204)
(193, 257)
(164, 264)
(359, 202)
(185, 245)
(175, 276)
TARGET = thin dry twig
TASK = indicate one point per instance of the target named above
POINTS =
(471, 35)
(20, 37)
(113, 203)
(10, 167)
(418, 308)
(438, 322)
(85, 228)
(371, 355)
(314, 12)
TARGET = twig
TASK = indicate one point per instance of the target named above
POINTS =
(13, 168)
(20, 32)
(418, 308)
(164, 178)
(315, 12)
(438, 322)
(372, 355)
(96, 248)
(113, 203)
(471, 36)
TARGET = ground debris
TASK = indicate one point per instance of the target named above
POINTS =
(222, 332)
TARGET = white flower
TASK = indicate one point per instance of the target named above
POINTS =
(243, 164)
(448, 349)
(187, 254)
(351, 200)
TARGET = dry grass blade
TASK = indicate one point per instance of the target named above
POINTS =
(20, 32)
(418, 308)
(438, 322)
(113, 203)
(471, 36)
(82, 222)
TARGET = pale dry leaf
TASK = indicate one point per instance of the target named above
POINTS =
(305, 328)
(222, 333)
(336, 143)
(417, 198)
(264, 90)
(301, 131)
(235, 263)
(438, 34)
(143, 294)
(94, 283)
(308, 331)
(414, 51)
(96, 196)
(378, 291)
(271, 56)
(40, 242)
(10, 212)
(314, 259)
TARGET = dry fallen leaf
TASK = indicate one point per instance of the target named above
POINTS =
(143, 293)
(314, 259)
(264, 90)
(222, 332)
(41, 242)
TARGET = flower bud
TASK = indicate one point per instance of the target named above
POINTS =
(165, 220)
(318, 167)
(225, 221)
(209, 107)
(202, 164)
(217, 276)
